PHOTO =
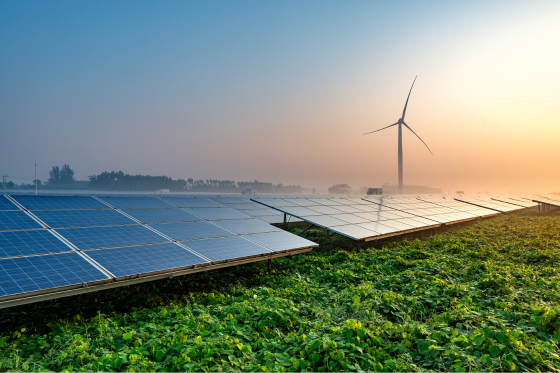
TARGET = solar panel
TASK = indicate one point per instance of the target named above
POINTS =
(354, 231)
(15, 220)
(349, 209)
(192, 202)
(18, 243)
(26, 274)
(350, 218)
(82, 218)
(241, 206)
(301, 211)
(133, 260)
(104, 237)
(161, 215)
(218, 249)
(135, 202)
(191, 231)
(262, 212)
(217, 213)
(281, 241)
(6, 204)
(59, 202)
(246, 226)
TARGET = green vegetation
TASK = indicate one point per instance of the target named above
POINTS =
(484, 297)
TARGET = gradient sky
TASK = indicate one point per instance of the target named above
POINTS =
(282, 91)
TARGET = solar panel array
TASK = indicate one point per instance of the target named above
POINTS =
(52, 243)
(376, 217)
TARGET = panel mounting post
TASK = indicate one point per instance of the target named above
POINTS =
(285, 224)
(359, 245)
(269, 265)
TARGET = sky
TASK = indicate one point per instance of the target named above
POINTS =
(283, 91)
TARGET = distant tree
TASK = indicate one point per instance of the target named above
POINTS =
(54, 175)
(340, 189)
(66, 175)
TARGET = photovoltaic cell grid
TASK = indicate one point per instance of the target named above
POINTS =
(59, 202)
(117, 242)
(136, 202)
(6, 204)
(82, 218)
(33, 273)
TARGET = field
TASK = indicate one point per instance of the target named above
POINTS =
(482, 297)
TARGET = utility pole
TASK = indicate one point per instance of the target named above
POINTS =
(35, 178)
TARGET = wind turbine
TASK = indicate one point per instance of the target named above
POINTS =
(400, 122)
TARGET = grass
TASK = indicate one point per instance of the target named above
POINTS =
(483, 297)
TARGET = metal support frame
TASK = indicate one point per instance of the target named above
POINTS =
(300, 233)
(285, 224)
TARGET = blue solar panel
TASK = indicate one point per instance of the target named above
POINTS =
(102, 237)
(128, 261)
(14, 220)
(280, 241)
(161, 215)
(247, 226)
(135, 202)
(82, 218)
(6, 204)
(217, 249)
(59, 202)
(19, 243)
(192, 202)
(191, 231)
(218, 213)
(25, 274)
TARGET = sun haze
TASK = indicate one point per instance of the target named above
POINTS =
(284, 91)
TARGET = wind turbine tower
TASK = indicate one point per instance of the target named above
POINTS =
(400, 123)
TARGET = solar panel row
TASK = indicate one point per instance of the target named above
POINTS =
(59, 243)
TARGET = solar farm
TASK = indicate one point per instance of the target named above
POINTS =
(56, 246)
(347, 283)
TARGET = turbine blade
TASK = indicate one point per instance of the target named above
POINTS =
(381, 128)
(406, 104)
(417, 136)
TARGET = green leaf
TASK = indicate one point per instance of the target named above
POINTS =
(127, 336)
(494, 350)
(315, 344)
(197, 340)
(159, 355)
(423, 346)
(283, 359)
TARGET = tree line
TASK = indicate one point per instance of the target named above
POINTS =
(63, 178)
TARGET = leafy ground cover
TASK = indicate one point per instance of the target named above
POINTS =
(482, 297)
